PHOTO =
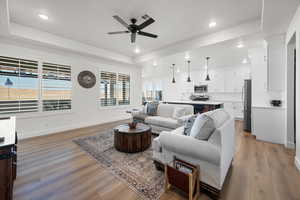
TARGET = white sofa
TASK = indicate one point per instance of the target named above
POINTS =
(165, 120)
(214, 156)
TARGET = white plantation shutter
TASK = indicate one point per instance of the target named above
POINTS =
(108, 82)
(123, 89)
(18, 85)
(56, 87)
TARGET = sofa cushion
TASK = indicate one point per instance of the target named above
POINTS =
(165, 110)
(203, 127)
(162, 121)
(189, 124)
(178, 131)
(178, 112)
(156, 146)
(140, 116)
(219, 116)
(215, 139)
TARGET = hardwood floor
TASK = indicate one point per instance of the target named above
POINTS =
(53, 167)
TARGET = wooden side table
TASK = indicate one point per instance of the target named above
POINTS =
(184, 176)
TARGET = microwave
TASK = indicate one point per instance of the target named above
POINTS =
(200, 88)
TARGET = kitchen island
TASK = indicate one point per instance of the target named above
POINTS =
(199, 106)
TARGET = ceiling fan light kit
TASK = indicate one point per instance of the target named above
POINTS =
(133, 28)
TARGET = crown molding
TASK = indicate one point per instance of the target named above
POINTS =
(221, 36)
(28, 34)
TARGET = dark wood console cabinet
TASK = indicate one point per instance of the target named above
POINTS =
(8, 157)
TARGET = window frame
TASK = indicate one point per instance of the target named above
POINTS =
(40, 112)
(117, 106)
(34, 63)
(42, 87)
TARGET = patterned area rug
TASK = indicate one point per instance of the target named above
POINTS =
(136, 169)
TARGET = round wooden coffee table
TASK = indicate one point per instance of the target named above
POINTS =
(132, 140)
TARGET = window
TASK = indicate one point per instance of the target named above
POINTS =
(19, 85)
(56, 87)
(123, 94)
(114, 89)
(108, 82)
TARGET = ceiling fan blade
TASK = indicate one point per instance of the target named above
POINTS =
(146, 23)
(147, 34)
(118, 32)
(121, 21)
(133, 37)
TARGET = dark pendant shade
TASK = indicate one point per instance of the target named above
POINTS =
(173, 68)
(189, 71)
(207, 77)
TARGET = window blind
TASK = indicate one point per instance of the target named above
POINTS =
(56, 87)
(108, 82)
(123, 89)
(18, 85)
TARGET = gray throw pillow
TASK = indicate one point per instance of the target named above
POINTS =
(203, 127)
(152, 108)
(188, 125)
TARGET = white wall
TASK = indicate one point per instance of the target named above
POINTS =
(294, 28)
(86, 110)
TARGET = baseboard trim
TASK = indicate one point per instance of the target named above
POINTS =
(297, 163)
(26, 135)
(290, 145)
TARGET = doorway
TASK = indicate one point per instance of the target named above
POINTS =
(295, 85)
(291, 94)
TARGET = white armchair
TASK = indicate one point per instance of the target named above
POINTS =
(214, 156)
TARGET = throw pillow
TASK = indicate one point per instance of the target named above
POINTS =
(178, 112)
(188, 125)
(203, 127)
(152, 108)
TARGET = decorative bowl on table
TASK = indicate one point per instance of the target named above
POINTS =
(132, 125)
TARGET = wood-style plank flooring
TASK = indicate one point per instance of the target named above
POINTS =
(53, 167)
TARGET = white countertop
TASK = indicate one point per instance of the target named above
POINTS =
(196, 102)
(268, 107)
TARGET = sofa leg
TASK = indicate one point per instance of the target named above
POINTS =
(159, 166)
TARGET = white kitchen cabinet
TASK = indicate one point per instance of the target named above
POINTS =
(276, 63)
(268, 124)
(259, 76)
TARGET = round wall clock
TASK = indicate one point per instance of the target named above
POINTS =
(86, 79)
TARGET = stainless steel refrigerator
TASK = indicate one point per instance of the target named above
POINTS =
(247, 105)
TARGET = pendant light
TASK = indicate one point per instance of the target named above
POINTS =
(189, 71)
(207, 75)
(173, 68)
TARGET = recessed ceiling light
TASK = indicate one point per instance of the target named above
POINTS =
(137, 50)
(44, 17)
(154, 63)
(212, 24)
(240, 45)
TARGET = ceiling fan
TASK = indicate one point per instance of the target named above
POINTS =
(133, 28)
